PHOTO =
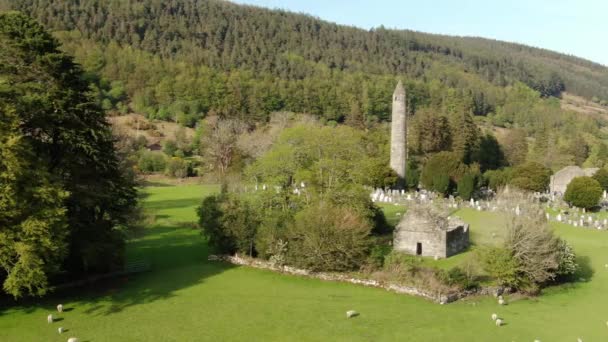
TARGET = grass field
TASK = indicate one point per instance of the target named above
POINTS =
(186, 298)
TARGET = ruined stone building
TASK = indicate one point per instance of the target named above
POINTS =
(399, 132)
(426, 232)
(561, 179)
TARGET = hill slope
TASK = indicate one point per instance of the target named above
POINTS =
(201, 56)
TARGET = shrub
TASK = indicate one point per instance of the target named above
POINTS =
(325, 237)
(466, 186)
(179, 168)
(170, 147)
(602, 177)
(531, 176)
(272, 229)
(377, 255)
(456, 276)
(583, 192)
(566, 259)
(498, 263)
(150, 162)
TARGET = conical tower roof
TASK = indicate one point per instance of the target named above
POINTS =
(399, 90)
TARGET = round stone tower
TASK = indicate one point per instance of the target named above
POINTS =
(399, 132)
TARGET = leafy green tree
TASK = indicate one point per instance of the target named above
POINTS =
(433, 133)
(579, 149)
(61, 123)
(530, 176)
(515, 146)
(602, 177)
(229, 223)
(500, 265)
(33, 223)
(583, 192)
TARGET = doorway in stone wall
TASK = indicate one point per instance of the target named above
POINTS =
(419, 248)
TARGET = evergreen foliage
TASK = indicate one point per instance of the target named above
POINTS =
(583, 192)
(602, 177)
(530, 176)
(59, 166)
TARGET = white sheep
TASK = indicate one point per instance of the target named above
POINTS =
(501, 301)
(73, 339)
(60, 330)
(60, 308)
(579, 340)
(49, 318)
(498, 322)
(536, 340)
(494, 316)
(351, 313)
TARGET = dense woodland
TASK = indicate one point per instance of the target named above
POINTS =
(187, 58)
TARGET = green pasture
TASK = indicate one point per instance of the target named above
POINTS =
(187, 298)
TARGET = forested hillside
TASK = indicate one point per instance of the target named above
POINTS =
(183, 59)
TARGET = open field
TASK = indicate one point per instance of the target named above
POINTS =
(186, 298)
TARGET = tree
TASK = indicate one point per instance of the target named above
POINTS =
(442, 168)
(33, 223)
(466, 136)
(229, 223)
(61, 124)
(466, 186)
(220, 144)
(601, 176)
(579, 149)
(515, 146)
(530, 176)
(583, 192)
(433, 133)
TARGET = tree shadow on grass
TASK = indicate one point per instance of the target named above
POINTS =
(585, 271)
(178, 259)
(173, 204)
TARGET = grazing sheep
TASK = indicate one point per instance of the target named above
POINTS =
(579, 340)
(60, 308)
(49, 319)
(494, 317)
(498, 322)
(536, 340)
(60, 330)
(351, 313)
(501, 301)
(73, 339)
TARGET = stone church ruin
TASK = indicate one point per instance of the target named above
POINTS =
(426, 231)
(561, 179)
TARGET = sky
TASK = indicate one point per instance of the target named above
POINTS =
(575, 27)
